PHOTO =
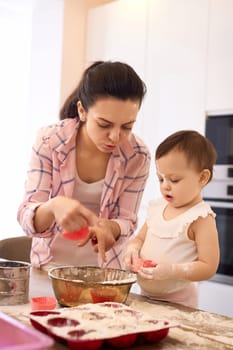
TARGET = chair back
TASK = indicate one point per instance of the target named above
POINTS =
(16, 248)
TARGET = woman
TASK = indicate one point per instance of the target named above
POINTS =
(89, 169)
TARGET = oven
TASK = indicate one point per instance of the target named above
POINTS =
(224, 221)
(219, 192)
(219, 130)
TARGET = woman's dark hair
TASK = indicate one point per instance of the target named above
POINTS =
(104, 79)
(197, 148)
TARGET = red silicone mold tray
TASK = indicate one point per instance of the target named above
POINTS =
(15, 335)
(89, 326)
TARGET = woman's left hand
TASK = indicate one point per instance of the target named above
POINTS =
(103, 236)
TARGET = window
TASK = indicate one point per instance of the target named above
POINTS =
(30, 65)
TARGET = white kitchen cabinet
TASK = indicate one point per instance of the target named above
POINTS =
(165, 41)
(117, 31)
(219, 87)
(175, 66)
(215, 297)
(182, 49)
(175, 72)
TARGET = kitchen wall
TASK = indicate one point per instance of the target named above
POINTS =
(74, 42)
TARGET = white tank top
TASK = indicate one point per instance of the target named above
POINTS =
(168, 241)
(67, 252)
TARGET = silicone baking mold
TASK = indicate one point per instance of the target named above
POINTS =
(89, 326)
(15, 335)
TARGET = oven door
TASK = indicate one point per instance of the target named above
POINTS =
(219, 130)
(224, 221)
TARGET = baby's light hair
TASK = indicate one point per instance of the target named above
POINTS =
(196, 147)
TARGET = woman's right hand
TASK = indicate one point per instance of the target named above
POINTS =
(71, 215)
(68, 213)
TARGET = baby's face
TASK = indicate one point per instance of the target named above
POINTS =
(180, 182)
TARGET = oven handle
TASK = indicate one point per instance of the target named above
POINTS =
(215, 204)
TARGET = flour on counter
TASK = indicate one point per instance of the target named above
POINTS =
(196, 327)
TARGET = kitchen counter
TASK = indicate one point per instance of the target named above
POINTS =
(197, 329)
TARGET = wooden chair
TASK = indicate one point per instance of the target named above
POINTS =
(16, 248)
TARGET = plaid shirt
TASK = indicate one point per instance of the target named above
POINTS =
(52, 173)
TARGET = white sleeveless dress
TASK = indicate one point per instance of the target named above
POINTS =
(168, 241)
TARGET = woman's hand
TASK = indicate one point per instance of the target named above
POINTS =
(68, 213)
(71, 215)
(103, 236)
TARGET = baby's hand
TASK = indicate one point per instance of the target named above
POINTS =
(161, 271)
(148, 263)
(131, 259)
(138, 263)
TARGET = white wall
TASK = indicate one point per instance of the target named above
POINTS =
(30, 65)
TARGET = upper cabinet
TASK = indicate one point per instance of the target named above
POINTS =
(165, 41)
(117, 31)
(182, 49)
(175, 66)
(219, 89)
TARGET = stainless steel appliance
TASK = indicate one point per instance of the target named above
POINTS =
(219, 130)
(219, 192)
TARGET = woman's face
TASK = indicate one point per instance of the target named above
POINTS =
(109, 121)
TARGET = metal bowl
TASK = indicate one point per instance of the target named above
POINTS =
(75, 285)
(14, 282)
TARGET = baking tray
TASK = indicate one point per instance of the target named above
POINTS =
(90, 326)
(15, 335)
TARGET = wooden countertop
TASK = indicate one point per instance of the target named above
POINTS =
(197, 329)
